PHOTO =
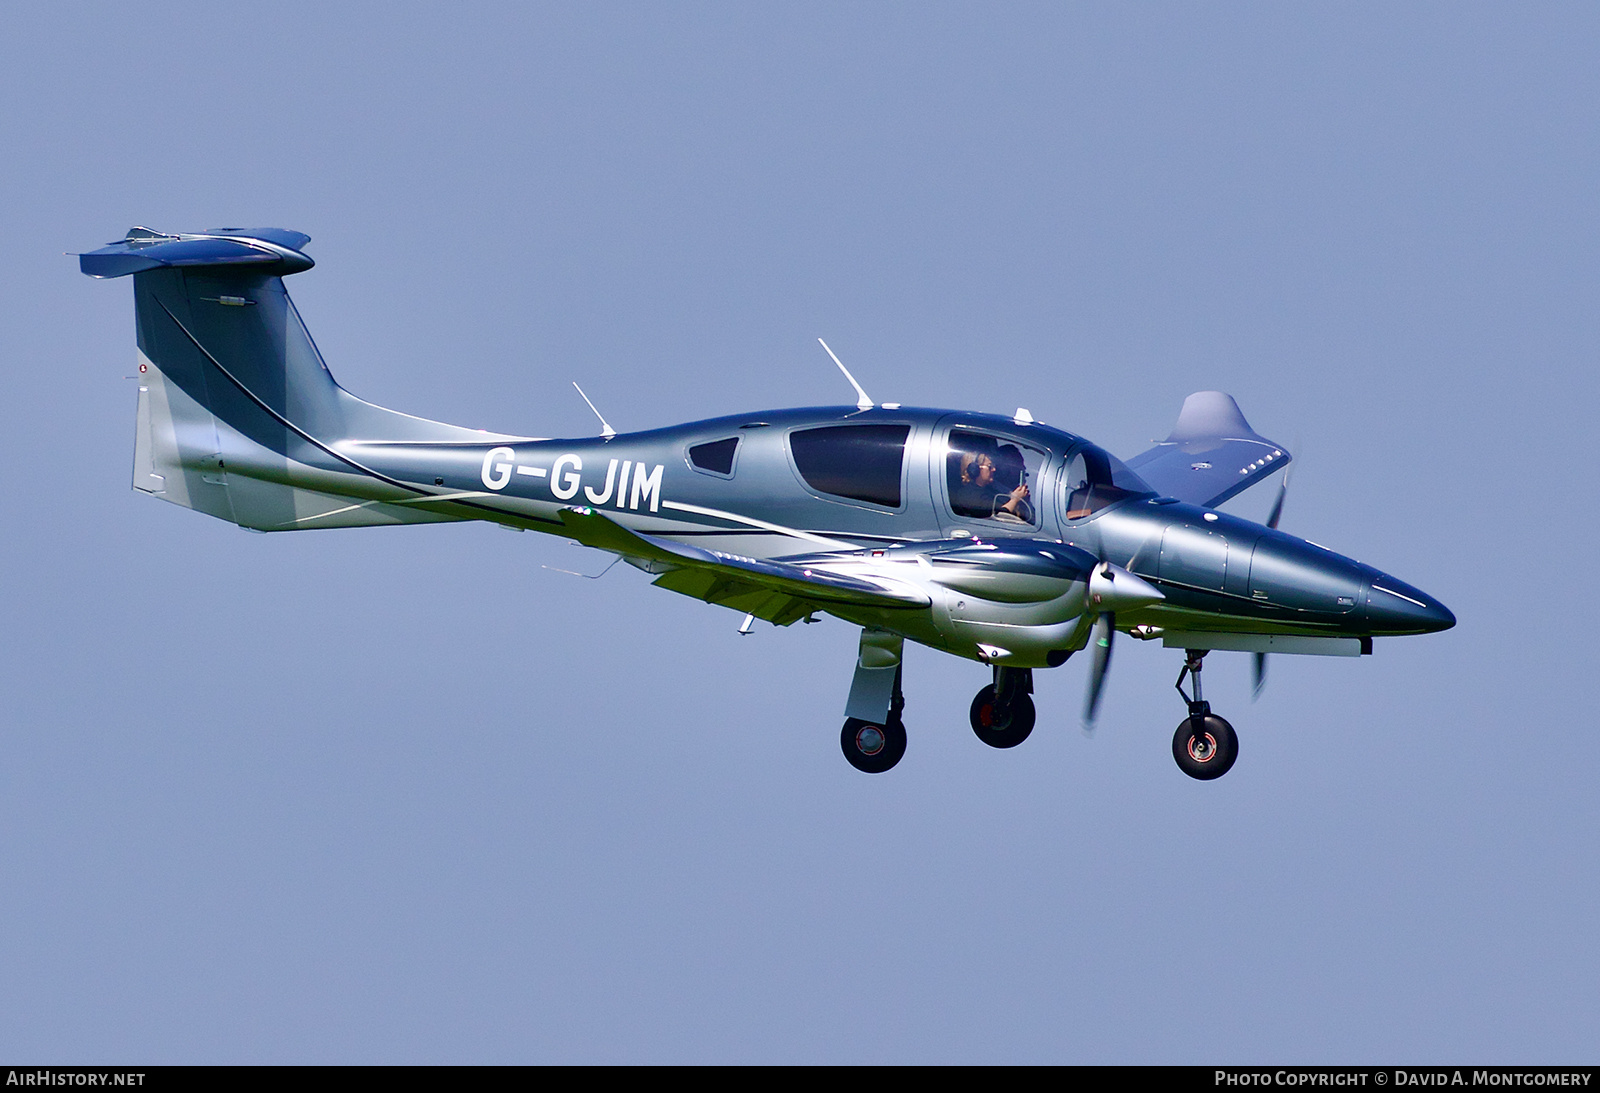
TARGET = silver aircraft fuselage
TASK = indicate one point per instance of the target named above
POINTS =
(997, 539)
(1218, 572)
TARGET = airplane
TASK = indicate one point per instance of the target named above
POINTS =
(996, 539)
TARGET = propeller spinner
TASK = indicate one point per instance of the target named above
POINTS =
(1111, 589)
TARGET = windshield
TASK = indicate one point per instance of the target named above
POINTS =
(1095, 478)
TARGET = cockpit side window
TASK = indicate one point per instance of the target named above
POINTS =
(715, 456)
(858, 462)
(991, 478)
(1095, 478)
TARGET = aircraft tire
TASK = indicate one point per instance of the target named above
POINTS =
(870, 747)
(1205, 747)
(989, 728)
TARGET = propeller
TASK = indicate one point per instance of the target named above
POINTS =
(1258, 661)
(1110, 589)
(1277, 506)
(1100, 638)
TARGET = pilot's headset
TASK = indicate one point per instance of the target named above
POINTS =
(964, 467)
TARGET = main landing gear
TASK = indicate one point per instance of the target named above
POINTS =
(873, 738)
(874, 747)
(1002, 714)
(1205, 745)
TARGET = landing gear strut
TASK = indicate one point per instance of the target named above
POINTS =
(1002, 714)
(1205, 745)
(874, 747)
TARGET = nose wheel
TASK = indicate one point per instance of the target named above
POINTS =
(1205, 745)
(1002, 714)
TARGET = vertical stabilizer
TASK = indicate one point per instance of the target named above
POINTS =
(238, 414)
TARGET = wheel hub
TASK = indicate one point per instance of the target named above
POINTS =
(1202, 747)
(871, 740)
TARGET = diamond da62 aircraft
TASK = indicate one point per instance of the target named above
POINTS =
(997, 539)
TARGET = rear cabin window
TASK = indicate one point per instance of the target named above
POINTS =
(715, 457)
(860, 462)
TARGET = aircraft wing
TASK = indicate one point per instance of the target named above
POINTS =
(778, 592)
(1211, 455)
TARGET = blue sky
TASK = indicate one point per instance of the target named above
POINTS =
(404, 795)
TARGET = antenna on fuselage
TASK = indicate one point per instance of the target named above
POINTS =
(862, 401)
(605, 430)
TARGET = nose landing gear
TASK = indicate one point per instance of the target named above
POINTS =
(1002, 714)
(1205, 745)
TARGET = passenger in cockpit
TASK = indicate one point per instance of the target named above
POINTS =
(1011, 479)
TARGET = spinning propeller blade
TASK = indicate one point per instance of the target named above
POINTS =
(1105, 632)
(1258, 673)
(1277, 506)
(1110, 588)
(1283, 491)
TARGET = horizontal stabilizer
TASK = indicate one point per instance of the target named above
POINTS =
(268, 251)
(1211, 455)
(776, 591)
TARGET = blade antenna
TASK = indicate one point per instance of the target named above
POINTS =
(605, 429)
(862, 401)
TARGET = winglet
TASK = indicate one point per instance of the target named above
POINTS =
(1209, 416)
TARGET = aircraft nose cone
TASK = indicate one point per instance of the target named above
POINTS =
(1394, 607)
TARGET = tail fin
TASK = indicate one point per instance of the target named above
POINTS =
(238, 415)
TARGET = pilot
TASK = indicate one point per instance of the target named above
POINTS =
(978, 492)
